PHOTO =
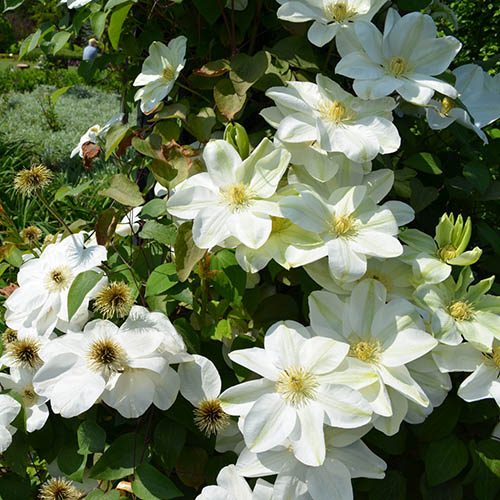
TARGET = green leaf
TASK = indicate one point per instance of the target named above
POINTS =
(114, 3)
(124, 191)
(100, 495)
(275, 308)
(152, 146)
(188, 334)
(91, 438)
(425, 162)
(191, 465)
(71, 463)
(176, 110)
(209, 9)
(59, 40)
(35, 38)
(114, 136)
(64, 191)
(392, 487)
(223, 329)
(394, 445)
(81, 286)
(444, 460)
(58, 93)
(162, 172)
(169, 439)
(201, 124)
(228, 101)
(478, 175)
(422, 196)
(12, 4)
(98, 22)
(153, 209)
(14, 487)
(118, 460)
(151, 484)
(106, 225)
(163, 233)
(187, 254)
(161, 279)
(297, 52)
(246, 70)
(231, 281)
(116, 24)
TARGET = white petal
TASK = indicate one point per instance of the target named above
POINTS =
(308, 441)
(199, 380)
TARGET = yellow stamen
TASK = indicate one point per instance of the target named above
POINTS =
(447, 105)
(448, 252)
(461, 311)
(297, 386)
(398, 66)
(369, 352)
(59, 279)
(106, 355)
(333, 111)
(238, 197)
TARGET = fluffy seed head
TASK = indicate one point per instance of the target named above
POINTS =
(31, 234)
(30, 180)
(58, 278)
(105, 355)
(297, 385)
(9, 336)
(115, 299)
(58, 489)
(210, 417)
(461, 311)
(369, 352)
(24, 352)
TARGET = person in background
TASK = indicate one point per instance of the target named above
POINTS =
(90, 51)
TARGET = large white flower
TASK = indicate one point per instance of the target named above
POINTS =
(347, 457)
(159, 72)
(233, 197)
(383, 338)
(337, 120)
(231, 486)
(75, 4)
(122, 367)
(41, 299)
(295, 398)
(329, 15)
(21, 381)
(404, 59)
(351, 226)
(9, 408)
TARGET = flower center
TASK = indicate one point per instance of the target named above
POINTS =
(114, 300)
(29, 396)
(168, 72)
(343, 226)
(461, 311)
(338, 12)
(448, 252)
(9, 336)
(398, 66)
(106, 355)
(369, 352)
(24, 352)
(333, 111)
(382, 278)
(238, 197)
(58, 279)
(447, 105)
(496, 356)
(297, 386)
(58, 489)
(210, 417)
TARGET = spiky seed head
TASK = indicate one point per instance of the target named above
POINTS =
(31, 234)
(30, 180)
(58, 489)
(210, 417)
(115, 299)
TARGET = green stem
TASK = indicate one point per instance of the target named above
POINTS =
(192, 91)
(328, 55)
(53, 212)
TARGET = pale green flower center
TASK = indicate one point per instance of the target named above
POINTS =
(58, 279)
(447, 105)
(382, 278)
(168, 72)
(106, 355)
(343, 226)
(461, 311)
(333, 111)
(367, 351)
(238, 197)
(448, 252)
(495, 355)
(29, 396)
(297, 385)
(398, 66)
(338, 12)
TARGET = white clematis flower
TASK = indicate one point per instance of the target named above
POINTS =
(351, 226)
(461, 310)
(159, 72)
(36, 408)
(337, 120)
(9, 408)
(41, 300)
(383, 338)
(231, 486)
(122, 367)
(295, 398)
(404, 59)
(75, 4)
(233, 198)
(347, 457)
(329, 16)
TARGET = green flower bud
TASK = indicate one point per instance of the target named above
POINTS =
(452, 237)
(237, 136)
